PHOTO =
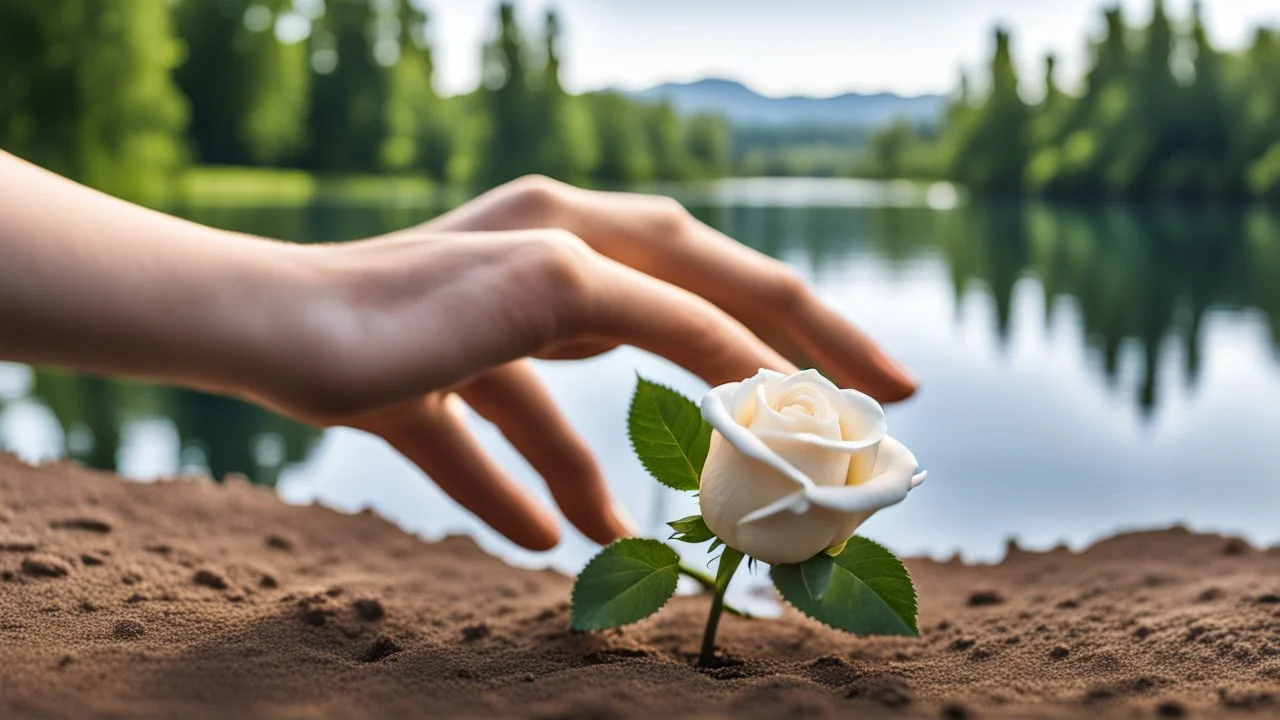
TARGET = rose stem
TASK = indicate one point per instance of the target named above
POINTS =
(709, 583)
(706, 581)
(729, 561)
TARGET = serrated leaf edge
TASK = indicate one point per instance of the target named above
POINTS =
(573, 596)
(631, 441)
(914, 624)
(911, 584)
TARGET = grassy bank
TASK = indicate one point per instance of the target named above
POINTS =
(246, 186)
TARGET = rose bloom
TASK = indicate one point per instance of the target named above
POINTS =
(797, 464)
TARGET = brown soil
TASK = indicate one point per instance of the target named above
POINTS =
(190, 599)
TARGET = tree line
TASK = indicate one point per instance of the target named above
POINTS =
(1162, 114)
(123, 94)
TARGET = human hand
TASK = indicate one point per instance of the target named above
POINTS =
(392, 335)
(412, 325)
(657, 236)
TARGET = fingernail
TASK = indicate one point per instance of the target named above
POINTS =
(625, 520)
(905, 376)
(909, 374)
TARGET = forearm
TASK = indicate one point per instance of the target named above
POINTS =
(93, 283)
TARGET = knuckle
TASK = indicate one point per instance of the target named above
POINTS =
(535, 197)
(669, 217)
(560, 254)
(563, 266)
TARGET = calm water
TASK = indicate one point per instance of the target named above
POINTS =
(1084, 370)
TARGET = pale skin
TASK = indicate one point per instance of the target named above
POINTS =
(394, 334)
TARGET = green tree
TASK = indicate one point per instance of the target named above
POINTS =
(1111, 67)
(1259, 129)
(565, 138)
(665, 132)
(510, 147)
(1209, 167)
(87, 92)
(709, 144)
(1260, 93)
(957, 122)
(624, 155)
(276, 81)
(351, 51)
(248, 89)
(1163, 114)
(1151, 127)
(210, 77)
(420, 134)
(1052, 112)
(991, 155)
(889, 148)
(1053, 95)
(1072, 151)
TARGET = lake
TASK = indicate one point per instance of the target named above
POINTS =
(1084, 370)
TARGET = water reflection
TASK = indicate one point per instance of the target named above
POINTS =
(1139, 275)
(214, 434)
(1086, 369)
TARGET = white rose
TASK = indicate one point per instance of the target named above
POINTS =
(797, 464)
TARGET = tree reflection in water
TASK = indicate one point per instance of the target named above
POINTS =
(1138, 277)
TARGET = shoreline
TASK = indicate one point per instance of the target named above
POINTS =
(203, 600)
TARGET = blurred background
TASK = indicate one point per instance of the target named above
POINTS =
(1064, 215)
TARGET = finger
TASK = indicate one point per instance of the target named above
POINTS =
(431, 432)
(513, 398)
(849, 356)
(576, 350)
(629, 307)
(655, 236)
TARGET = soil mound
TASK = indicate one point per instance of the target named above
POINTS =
(192, 599)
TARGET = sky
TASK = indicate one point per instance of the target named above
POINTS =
(813, 47)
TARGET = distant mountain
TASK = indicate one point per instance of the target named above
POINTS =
(744, 106)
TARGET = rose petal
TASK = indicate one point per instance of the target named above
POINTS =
(727, 395)
(862, 423)
(796, 465)
(741, 398)
(769, 420)
(795, 502)
(846, 446)
(811, 388)
(734, 485)
(862, 419)
(820, 463)
(716, 413)
(807, 389)
(894, 475)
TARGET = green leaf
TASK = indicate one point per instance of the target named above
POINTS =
(669, 435)
(691, 530)
(868, 591)
(816, 573)
(627, 581)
